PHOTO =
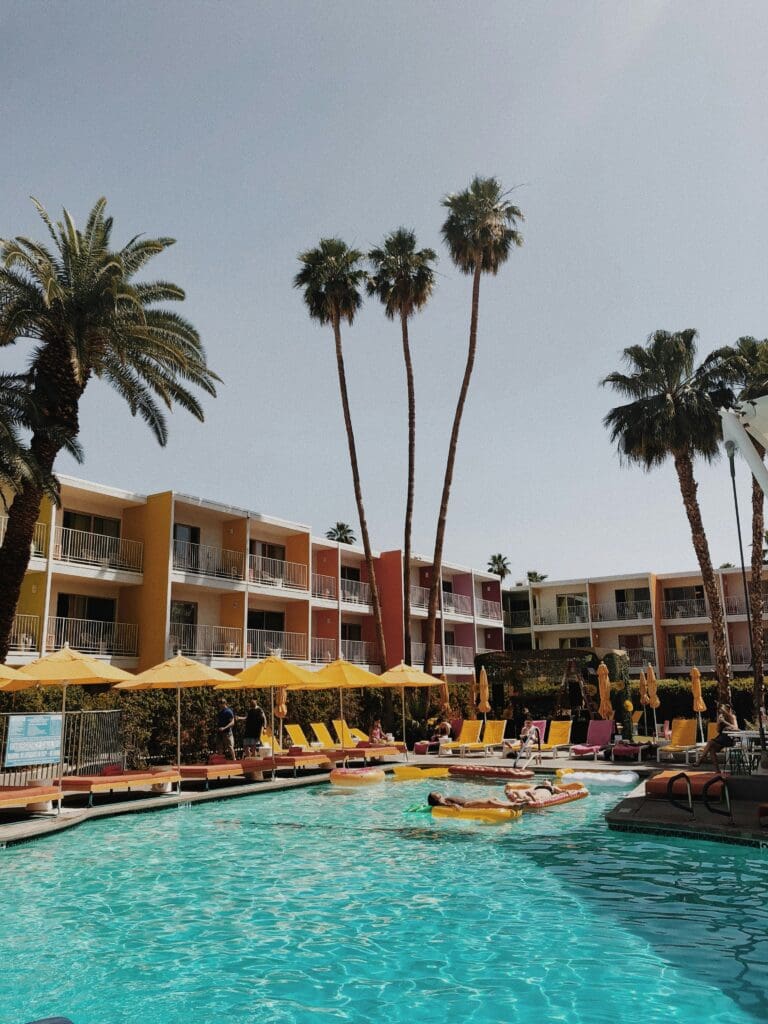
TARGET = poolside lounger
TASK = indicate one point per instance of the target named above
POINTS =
(211, 772)
(599, 732)
(695, 751)
(559, 738)
(529, 747)
(298, 738)
(119, 782)
(362, 751)
(682, 740)
(27, 797)
(658, 785)
(349, 737)
(631, 751)
(468, 737)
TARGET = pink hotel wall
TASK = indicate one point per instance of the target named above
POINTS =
(326, 562)
(491, 590)
(462, 584)
(463, 633)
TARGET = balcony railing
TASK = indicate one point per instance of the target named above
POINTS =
(205, 641)
(324, 586)
(740, 655)
(419, 597)
(518, 619)
(734, 605)
(323, 650)
(97, 549)
(693, 608)
(697, 654)
(24, 633)
(620, 611)
(417, 654)
(359, 652)
(355, 592)
(93, 637)
(39, 538)
(561, 617)
(274, 572)
(459, 604)
(265, 642)
(204, 560)
(458, 656)
(640, 656)
(488, 609)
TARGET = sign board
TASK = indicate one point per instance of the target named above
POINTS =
(33, 739)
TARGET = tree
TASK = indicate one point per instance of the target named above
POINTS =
(87, 317)
(536, 577)
(499, 566)
(480, 232)
(342, 533)
(403, 279)
(673, 413)
(17, 464)
(331, 278)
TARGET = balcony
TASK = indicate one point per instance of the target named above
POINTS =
(518, 619)
(620, 611)
(458, 657)
(323, 650)
(263, 643)
(324, 586)
(39, 538)
(741, 655)
(561, 617)
(693, 608)
(488, 610)
(204, 560)
(699, 654)
(459, 604)
(640, 656)
(274, 572)
(205, 641)
(419, 597)
(93, 637)
(355, 592)
(359, 652)
(24, 633)
(735, 606)
(85, 548)
(417, 654)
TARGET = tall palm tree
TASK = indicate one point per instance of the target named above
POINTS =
(499, 566)
(403, 279)
(331, 278)
(342, 533)
(78, 303)
(17, 464)
(480, 232)
(536, 577)
(672, 412)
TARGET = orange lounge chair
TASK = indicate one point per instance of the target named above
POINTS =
(27, 797)
(211, 771)
(658, 785)
(294, 758)
(119, 782)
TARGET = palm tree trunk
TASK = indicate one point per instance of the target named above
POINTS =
(359, 497)
(411, 484)
(437, 560)
(756, 588)
(688, 489)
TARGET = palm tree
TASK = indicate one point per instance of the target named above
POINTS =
(403, 279)
(17, 465)
(499, 566)
(331, 278)
(536, 577)
(342, 533)
(88, 318)
(480, 232)
(673, 413)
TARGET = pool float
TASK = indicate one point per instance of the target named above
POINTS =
(575, 792)
(408, 772)
(481, 771)
(487, 815)
(604, 778)
(356, 776)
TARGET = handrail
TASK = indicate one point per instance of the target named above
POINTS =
(670, 795)
(728, 812)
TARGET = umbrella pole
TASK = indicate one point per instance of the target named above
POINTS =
(701, 726)
(402, 701)
(178, 737)
(341, 716)
(272, 726)
(61, 747)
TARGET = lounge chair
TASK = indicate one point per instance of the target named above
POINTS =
(694, 752)
(361, 751)
(294, 758)
(682, 740)
(347, 736)
(468, 737)
(599, 732)
(120, 782)
(215, 769)
(559, 738)
(298, 738)
(29, 798)
(510, 747)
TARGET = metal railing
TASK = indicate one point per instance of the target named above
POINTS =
(359, 652)
(459, 604)
(355, 592)
(740, 654)
(205, 641)
(92, 636)
(39, 538)
(488, 609)
(621, 610)
(324, 586)
(24, 633)
(274, 572)
(97, 549)
(323, 650)
(265, 642)
(561, 617)
(640, 656)
(419, 596)
(735, 605)
(461, 656)
(205, 560)
(690, 608)
(518, 619)
(696, 654)
(91, 740)
(417, 654)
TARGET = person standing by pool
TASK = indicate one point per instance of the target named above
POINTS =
(225, 740)
(255, 720)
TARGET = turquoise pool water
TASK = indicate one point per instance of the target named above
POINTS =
(311, 905)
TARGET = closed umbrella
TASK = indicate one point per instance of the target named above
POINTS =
(653, 696)
(698, 700)
(405, 675)
(643, 684)
(604, 685)
(485, 705)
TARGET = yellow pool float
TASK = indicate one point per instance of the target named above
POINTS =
(488, 815)
(410, 772)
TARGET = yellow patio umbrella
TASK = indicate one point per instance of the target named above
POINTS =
(604, 685)
(485, 705)
(343, 675)
(698, 700)
(403, 675)
(12, 675)
(177, 673)
(653, 696)
(643, 684)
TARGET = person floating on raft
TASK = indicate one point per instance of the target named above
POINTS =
(530, 796)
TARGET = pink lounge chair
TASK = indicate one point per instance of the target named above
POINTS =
(599, 734)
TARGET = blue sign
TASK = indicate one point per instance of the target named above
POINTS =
(33, 739)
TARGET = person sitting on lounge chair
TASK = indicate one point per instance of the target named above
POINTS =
(716, 746)
(438, 800)
(529, 736)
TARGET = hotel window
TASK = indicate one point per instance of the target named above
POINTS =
(572, 608)
(567, 642)
(261, 549)
(271, 621)
(87, 523)
(636, 642)
(351, 631)
(79, 606)
(350, 572)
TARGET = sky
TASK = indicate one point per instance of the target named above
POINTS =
(635, 137)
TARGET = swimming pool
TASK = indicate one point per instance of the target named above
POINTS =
(337, 908)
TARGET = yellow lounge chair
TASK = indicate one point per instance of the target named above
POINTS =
(559, 738)
(493, 735)
(298, 738)
(693, 753)
(363, 752)
(346, 736)
(468, 737)
(323, 737)
(682, 740)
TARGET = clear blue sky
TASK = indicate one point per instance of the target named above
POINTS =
(637, 132)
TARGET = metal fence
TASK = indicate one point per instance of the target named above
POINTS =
(91, 741)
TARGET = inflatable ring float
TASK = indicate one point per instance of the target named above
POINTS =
(356, 776)
(604, 778)
(487, 815)
(479, 771)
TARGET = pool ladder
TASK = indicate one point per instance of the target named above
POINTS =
(725, 795)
